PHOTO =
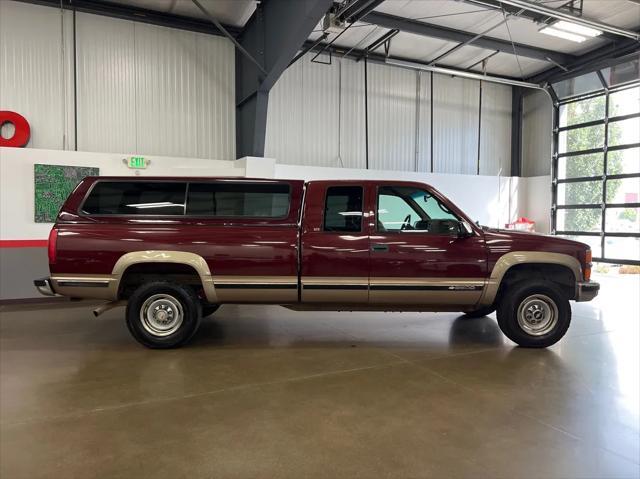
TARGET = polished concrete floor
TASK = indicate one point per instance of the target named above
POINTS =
(265, 392)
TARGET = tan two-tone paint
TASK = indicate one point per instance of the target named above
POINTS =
(513, 258)
(464, 292)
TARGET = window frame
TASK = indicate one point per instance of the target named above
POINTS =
(603, 205)
(362, 207)
(81, 212)
(281, 217)
(426, 190)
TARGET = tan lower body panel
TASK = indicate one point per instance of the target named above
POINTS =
(385, 293)
(256, 289)
(328, 289)
(91, 286)
(425, 291)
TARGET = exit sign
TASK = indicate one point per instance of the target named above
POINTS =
(137, 162)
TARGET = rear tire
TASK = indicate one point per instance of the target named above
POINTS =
(163, 315)
(479, 313)
(534, 314)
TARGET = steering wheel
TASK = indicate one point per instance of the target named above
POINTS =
(406, 224)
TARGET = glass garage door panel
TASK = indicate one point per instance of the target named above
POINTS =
(577, 86)
(580, 166)
(596, 179)
(624, 102)
(622, 220)
(624, 132)
(625, 249)
(581, 139)
(623, 161)
(582, 111)
(581, 193)
(587, 220)
(626, 190)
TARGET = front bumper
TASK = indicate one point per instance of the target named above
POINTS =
(43, 285)
(587, 290)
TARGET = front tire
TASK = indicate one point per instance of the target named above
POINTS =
(534, 314)
(163, 315)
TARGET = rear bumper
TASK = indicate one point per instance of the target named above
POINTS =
(43, 285)
(587, 290)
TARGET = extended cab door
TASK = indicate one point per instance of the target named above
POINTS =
(416, 258)
(335, 243)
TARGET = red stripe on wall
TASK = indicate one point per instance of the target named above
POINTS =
(23, 243)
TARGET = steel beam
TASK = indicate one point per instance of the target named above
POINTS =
(356, 9)
(136, 14)
(459, 36)
(358, 54)
(273, 36)
(496, 5)
(608, 55)
(560, 15)
(516, 131)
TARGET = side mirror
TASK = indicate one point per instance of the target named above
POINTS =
(463, 230)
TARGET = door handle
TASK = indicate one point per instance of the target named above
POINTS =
(379, 247)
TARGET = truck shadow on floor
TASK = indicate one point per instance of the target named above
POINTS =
(252, 333)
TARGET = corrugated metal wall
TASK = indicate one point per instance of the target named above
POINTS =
(392, 118)
(35, 71)
(423, 150)
(106, 81)
(455, 125)
(495, 129)
(303, 118)
(284, 117)
(140, 88)
(316, 115)
(536, 140)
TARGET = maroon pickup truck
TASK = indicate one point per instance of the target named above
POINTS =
(174, 249)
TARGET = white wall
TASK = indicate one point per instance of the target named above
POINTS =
(536, 198)
(17, 187)
(140, 88)
(490, 200)
(316, 117)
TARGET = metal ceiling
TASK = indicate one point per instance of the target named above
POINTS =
(458, 34)
(513, 48)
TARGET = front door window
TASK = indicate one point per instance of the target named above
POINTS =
(404, 208)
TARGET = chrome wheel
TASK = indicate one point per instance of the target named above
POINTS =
(161, 315)
(537, 315)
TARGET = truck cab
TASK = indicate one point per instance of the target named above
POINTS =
(174, 249)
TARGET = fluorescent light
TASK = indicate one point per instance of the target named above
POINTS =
(562, 34)
(575, 28)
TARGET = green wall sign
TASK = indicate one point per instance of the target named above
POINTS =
(137, 162)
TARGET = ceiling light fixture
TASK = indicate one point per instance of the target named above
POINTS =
(549, 30)
(575, 28)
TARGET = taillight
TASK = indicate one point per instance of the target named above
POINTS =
(587, 267)
(52, 246)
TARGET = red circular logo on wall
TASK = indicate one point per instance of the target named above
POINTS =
(22, 131)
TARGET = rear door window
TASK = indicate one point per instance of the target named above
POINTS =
(136, 198)
(343, 209)
(249, 200)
